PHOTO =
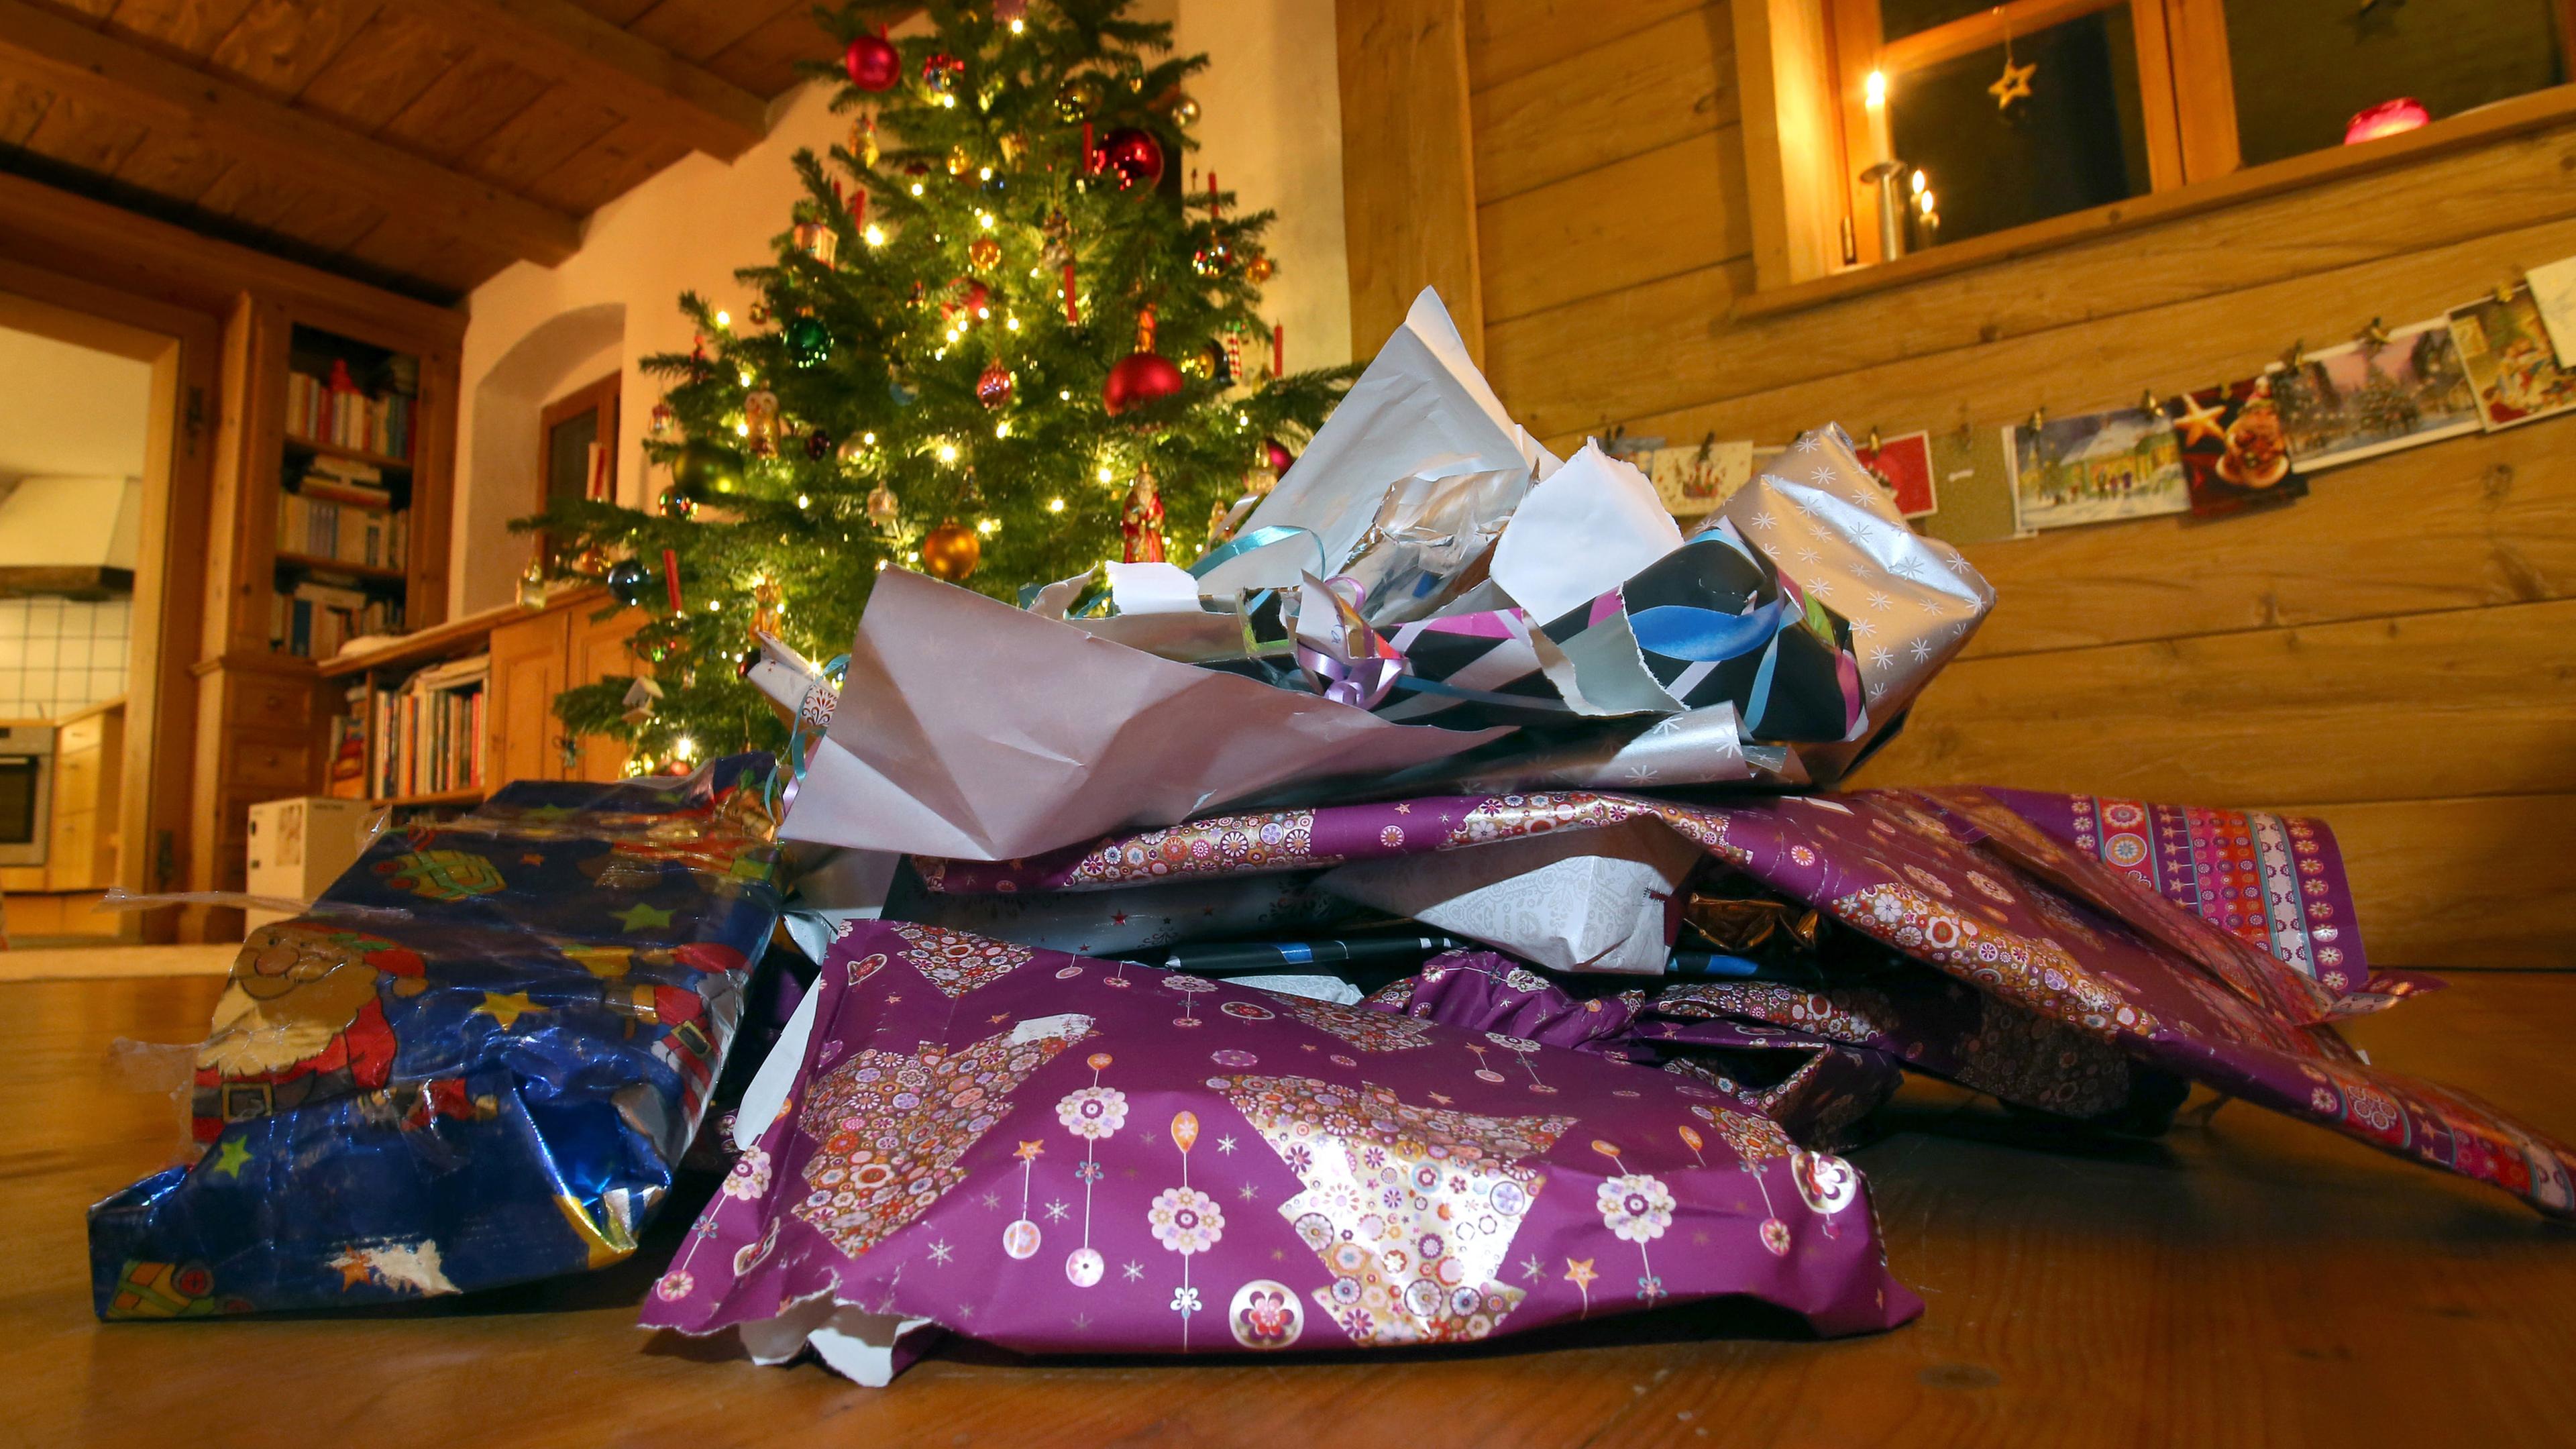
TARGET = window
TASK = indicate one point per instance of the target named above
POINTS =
(577, 450)
(2129, 97)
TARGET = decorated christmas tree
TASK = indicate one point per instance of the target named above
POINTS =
(1007, 337)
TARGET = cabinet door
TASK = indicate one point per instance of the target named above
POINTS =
(527, 674)
(599, 651)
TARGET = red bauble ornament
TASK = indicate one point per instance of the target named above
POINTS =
(1278, 455)
(1142, 376)
(1136, 156)
(993, 385)
(873, 63)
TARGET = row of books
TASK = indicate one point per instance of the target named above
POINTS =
(349, 532)
(333, 410)
(427, 736)
(314, 619)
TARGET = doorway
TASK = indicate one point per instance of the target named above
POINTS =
(101, 417)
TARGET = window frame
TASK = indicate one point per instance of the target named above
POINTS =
(2186, 89)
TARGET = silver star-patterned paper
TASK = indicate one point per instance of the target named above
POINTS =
(1912, 601)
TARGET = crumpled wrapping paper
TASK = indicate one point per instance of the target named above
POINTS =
(2215, 977)
(1427, 601)
(1064, 1155)
(476, 1062)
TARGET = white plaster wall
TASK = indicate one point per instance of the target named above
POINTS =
(1270, 128)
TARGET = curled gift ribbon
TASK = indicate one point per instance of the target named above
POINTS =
(1342, 656)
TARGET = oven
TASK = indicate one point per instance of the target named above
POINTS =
(26, 792)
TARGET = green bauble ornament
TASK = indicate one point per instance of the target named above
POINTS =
(808, 341)
(704, 467)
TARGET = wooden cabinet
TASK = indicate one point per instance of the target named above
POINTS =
(529, 665)
(89, 759)
(536, 658)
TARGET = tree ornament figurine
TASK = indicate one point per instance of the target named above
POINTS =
(951, 551)
(883, 506)
(1142, 376)
(943, 74)
(760, 421)
(1140, 523)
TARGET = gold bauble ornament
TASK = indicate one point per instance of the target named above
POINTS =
(1185, 113)
(983, 253)
(951, 551)
(1259, 268)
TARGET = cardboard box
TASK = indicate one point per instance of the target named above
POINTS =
(298, 846)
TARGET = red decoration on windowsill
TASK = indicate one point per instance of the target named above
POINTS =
(2385, 119)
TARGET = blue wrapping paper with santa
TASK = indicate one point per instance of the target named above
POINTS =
(474, 1061)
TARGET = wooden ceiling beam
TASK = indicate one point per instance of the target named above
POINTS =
(41, 44)
(621, 70)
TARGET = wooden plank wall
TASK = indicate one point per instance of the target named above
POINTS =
(2396, 654)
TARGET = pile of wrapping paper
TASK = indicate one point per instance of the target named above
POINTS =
(1427, 919)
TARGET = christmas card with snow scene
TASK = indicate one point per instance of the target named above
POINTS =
(2095, 467)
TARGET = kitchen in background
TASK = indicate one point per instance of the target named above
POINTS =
(73, 429)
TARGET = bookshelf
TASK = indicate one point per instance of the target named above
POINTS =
(333, 472)
(526, 657)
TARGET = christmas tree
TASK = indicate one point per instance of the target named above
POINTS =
(1003, 342)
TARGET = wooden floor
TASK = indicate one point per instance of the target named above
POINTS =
(2251, 1281)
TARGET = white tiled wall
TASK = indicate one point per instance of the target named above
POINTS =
(57, 655)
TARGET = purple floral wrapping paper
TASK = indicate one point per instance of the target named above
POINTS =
(1959, 881)
(1056, 1154)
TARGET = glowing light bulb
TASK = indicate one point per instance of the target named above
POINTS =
(1001, 430)
(1064, 394)
(985, 526)
(742, 430)
(746, 379)
(1055, 505)
(684, 748)
(714, 605)
(1018, 26)
(1104, 472)
(985, 174)
(985, 218)
(916, 188)
(1874, 90)
(804, 502)
(875, 235)
(724, 319)
(948, 452)
(869, 439)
